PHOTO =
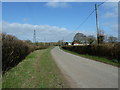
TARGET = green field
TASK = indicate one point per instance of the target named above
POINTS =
(96, 58)
(38, 70)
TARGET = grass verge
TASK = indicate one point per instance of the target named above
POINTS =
(96, 58)
(38, 70)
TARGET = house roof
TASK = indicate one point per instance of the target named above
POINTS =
(76, 43)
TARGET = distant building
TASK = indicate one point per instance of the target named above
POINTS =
(69, 43)
(76, 43)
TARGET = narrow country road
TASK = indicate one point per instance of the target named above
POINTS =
(84, 73)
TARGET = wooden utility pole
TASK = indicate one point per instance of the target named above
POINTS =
(96, 9)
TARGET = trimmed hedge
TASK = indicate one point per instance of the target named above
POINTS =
(13, 51)
(40, 47)
(110, 51)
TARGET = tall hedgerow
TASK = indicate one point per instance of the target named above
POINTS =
(13, 51)
(110, 51)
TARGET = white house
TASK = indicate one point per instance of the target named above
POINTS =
(69, 44)
(76, 44)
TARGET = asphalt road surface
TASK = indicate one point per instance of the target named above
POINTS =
(85, 73)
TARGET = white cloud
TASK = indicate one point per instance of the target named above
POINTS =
(25, 19)
(108, 5)
(113, 26)
(110, 15)
(25, 31)
(57, 4)
(43, 32)
(112, 10)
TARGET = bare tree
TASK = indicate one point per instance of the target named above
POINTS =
(112, 39)
(91, 39)
(80, 38)
(101, 36)
(60, 42)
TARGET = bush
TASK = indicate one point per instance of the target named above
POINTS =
(110, 51)
(13, 51)
(40, 47)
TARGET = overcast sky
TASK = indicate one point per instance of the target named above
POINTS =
(54, 21)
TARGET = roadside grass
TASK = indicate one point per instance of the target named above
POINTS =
(38, 70)
(96, 58)
(0, 82)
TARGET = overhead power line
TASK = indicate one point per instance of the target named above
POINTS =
(89, 16)
(82, 22)
(101, 4)
(85, 20)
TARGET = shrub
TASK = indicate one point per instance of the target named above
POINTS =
(40, 47)
(13, 51)
(110, 51)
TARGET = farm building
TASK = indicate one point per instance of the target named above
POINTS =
(69, 43)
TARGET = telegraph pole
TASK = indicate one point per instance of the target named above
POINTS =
(96, 9)
(34, 37)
